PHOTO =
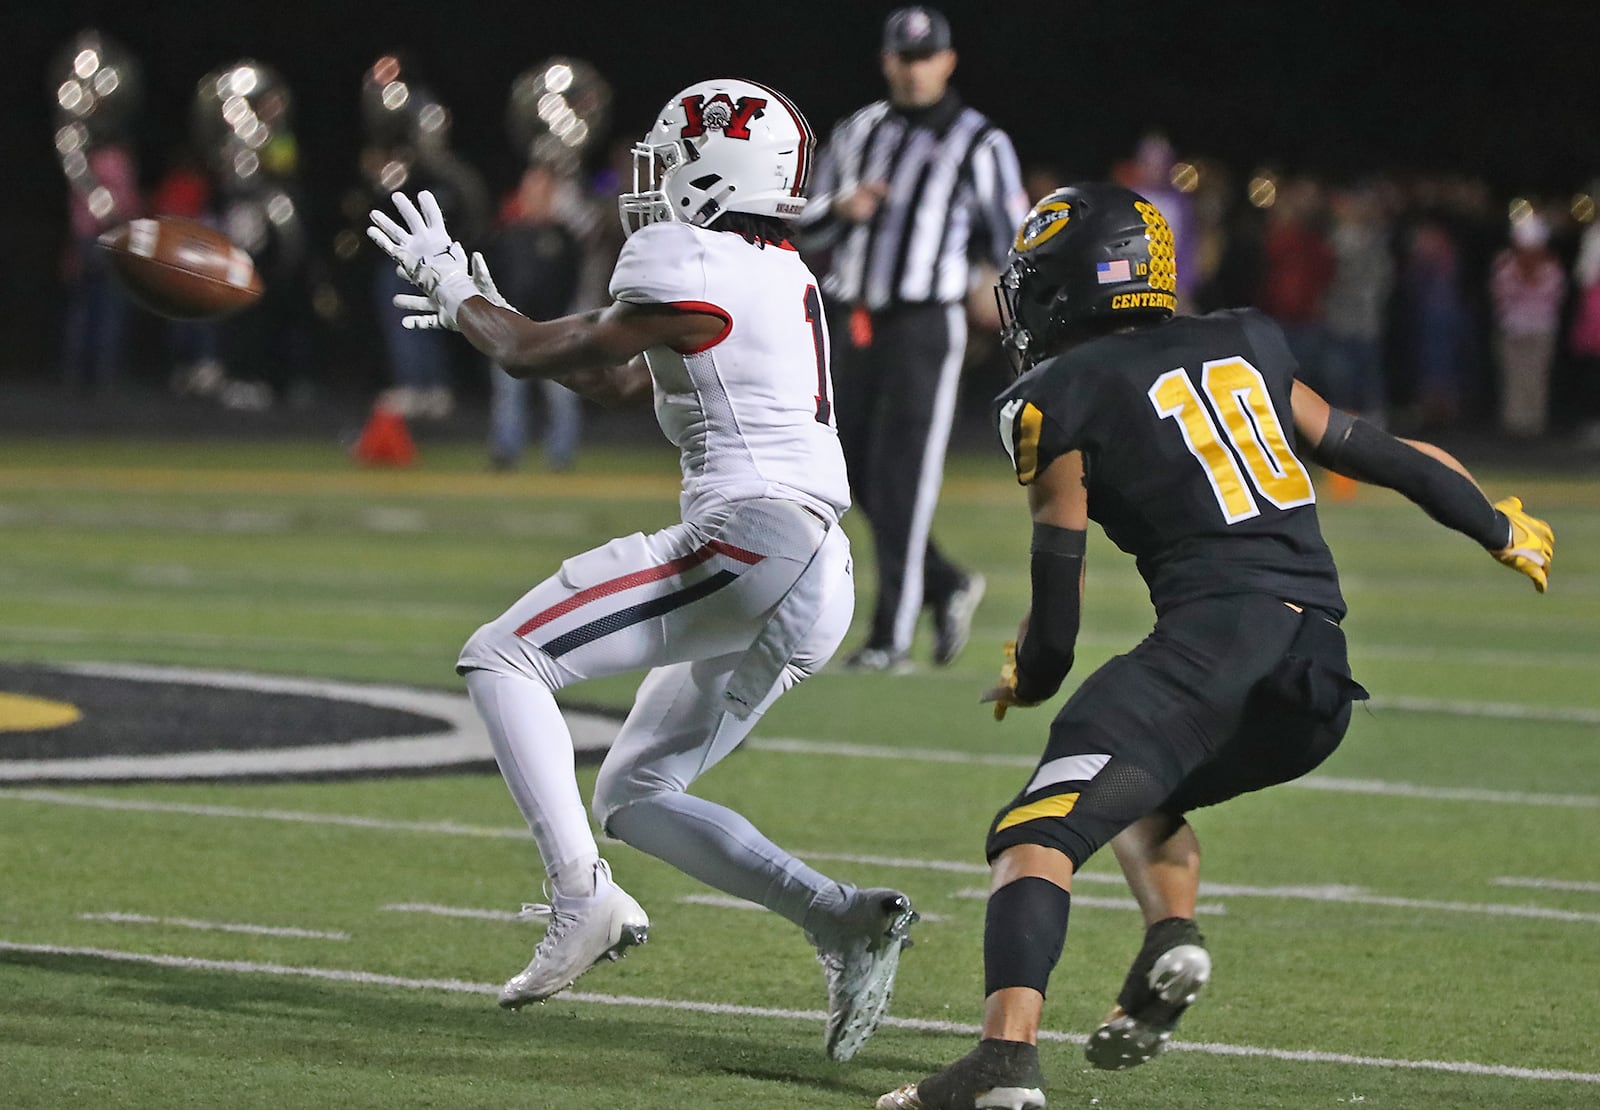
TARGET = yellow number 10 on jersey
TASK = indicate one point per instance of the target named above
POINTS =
(1238, 394)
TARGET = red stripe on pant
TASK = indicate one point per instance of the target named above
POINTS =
(638, 578)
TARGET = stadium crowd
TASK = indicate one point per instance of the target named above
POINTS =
(1423, 300)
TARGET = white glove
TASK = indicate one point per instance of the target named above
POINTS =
(425, 311)
(425, 254)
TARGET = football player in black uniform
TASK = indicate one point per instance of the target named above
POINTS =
(1178, 437)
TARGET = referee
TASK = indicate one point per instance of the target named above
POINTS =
(905, 190)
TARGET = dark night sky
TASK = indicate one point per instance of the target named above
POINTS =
(1508, 93)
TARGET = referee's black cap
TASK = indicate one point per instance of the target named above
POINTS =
(916, 30)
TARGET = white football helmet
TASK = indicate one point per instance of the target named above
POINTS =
(720, 146)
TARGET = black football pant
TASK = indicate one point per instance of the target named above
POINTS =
(896, 398)
(1225, 696)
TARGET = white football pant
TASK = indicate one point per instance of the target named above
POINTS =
(687, 602)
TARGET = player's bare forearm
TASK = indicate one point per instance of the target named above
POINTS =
(600, 340)
(530, 349)
(612, 386)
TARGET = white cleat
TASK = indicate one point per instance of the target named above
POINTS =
(860, 971)
(581, 933)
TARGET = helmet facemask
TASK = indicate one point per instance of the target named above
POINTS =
(1028, 327)
(649, 203)
(1015, 340)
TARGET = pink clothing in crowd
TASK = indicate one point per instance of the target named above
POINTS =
(1528, 289)
(112, 168)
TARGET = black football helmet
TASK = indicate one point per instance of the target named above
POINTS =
(1086, 257)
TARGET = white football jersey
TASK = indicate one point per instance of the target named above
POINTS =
(752, 411)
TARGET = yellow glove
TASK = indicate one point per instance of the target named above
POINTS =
(1004, 693)
(1532, 544)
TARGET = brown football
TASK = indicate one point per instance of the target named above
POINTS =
(181, 269)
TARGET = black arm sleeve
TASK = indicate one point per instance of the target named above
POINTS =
(1355, 448)
(1045, 655)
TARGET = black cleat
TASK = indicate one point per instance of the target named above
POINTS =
(997, 1075)
(1167, 976)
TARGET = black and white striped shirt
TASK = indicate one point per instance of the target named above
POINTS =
(955, 192)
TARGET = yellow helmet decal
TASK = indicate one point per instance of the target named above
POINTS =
(1047, 218)
(1163, 256)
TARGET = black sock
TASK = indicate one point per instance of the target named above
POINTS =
(1023, 934)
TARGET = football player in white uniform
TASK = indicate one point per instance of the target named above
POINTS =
(749, 595)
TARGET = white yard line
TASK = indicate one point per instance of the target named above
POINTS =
(214, 926)
(451, 911)
(1338, 894)
(461, 986)
(1492, 710)
(728, 902)
(1095, 902)
(1547, 884)
(1380, 788)
(346, 820)
(1310, 782)
(1343, 895)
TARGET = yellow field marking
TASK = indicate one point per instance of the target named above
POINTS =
(20, 713)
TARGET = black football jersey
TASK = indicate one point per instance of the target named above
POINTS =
(1188, 443)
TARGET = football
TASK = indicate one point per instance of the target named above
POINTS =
(181, 269)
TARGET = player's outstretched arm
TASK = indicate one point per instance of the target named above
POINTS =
(1427, 475)
(598, 340)
(613, 386)
(462, 296)
(1039, 659)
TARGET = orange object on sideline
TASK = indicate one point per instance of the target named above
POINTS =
(385, 441)
(1342, 488)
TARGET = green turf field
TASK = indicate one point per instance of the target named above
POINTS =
(1368, 948)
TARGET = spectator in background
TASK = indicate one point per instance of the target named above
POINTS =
(1584, 339)
(537, 258)
(408, 147)
(1041, 179)
(1299, 267)
(1232, 231)
(906, 191)
(1527, 285)
(192, 345)
(557, 246)
(243, 123)
(95, 99)
(1357, 304)
(1437, 325)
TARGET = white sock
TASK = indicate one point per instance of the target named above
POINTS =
(534, 751)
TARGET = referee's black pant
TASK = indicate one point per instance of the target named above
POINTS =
(896, 384)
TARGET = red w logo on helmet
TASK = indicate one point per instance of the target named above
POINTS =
(720, 114)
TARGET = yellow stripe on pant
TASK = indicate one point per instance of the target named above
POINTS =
(1057, 805)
